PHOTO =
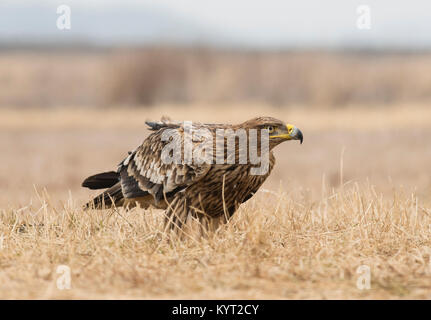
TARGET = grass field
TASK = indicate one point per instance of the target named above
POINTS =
(357, 192)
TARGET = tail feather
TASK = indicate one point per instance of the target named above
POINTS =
(101, 180)
(110, 198)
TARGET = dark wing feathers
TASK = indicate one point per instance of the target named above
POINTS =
(144, 169)
(130, 186)
(111, 196)
(143, 172)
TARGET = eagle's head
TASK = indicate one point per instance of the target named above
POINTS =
(277, 129)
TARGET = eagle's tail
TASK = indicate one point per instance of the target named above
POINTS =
(111, 197)
(101, 180)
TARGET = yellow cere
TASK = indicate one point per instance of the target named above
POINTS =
(290, 128)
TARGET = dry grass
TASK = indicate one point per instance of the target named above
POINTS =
(303, 239)
(275, 247)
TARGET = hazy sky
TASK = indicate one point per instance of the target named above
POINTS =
(262, 23)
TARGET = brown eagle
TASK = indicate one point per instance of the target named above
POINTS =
(196, 187)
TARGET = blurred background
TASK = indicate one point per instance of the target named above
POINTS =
(355, 76)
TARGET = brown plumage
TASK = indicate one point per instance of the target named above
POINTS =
(195, 189)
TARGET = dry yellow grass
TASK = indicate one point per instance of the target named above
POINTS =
(275, 247)
(304, 238)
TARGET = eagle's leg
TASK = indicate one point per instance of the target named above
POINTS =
(176, 214)
(181, 211)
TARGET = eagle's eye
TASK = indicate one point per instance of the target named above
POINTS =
(270, 129)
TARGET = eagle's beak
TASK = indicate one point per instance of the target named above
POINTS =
(294, 133)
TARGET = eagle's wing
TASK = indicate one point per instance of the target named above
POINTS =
(143, 171)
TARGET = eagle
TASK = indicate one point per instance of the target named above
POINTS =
(197, 187)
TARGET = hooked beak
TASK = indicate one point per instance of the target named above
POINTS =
(294, 133)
